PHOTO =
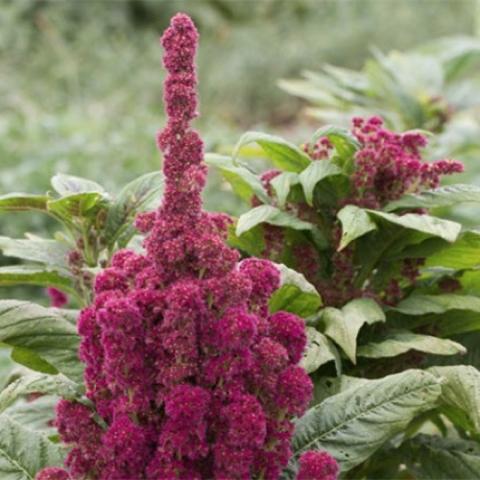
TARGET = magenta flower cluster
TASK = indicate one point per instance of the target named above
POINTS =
(190, 375)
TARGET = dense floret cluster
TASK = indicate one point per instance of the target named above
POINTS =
(190, 376)
(317, 465)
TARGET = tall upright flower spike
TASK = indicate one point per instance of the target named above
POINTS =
(189, 374)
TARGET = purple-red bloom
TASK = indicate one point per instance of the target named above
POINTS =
(183, 361)
(317, 466)
(57, 297)
(53, 473)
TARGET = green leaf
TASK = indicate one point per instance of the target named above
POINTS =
(50, 252)
(423, 304)
(319, 350)
(461, 389)
(284, 155)
(44, 332)
(272, 216)
(434, 226)
(14, 202)
(295, 295)
(463, 254)
(355, 223)
(314, 173)
(435, 458)
(447, 196)
(244, 183)
(341, 138)
(37, 415)
(353, 424)
(67, 184)
(325, 387)
(135, 197)
(282, 184)
(398, 343)
(77, 205)
(39, 383)
(251, 242)
(343, 325)
(33, 275)
(24, 452)
(28, 358)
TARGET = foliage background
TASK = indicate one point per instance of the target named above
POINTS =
(80, 81)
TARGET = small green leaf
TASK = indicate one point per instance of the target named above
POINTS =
(250, 242)
(13, 202)
(353, 424)
(67, 184)
(28, 358)
(355, 223)
(461, 388)
(77, 205)
(319, 350)
(315, 173)
(39, 383)
(244, 183)
(423, 304)
(343, 326)
(398, 343)
(342, 139)
(271, 215)
(282, 185)
(33, 275)
(431, 457)
(295, 295)
(24, 452)
(284, 155)
(447, 196)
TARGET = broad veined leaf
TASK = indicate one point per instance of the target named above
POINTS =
(34, 275)
(353, 424)
(418, 304)
(244, 183)
(133, 198)
(343, 325)
(398, 343)
(439, 197)
(282, 184)
(355, 223)
(427, 224)
(271, 215)
(315, 173)
(463, 254)
(13, 202)
(37, 415)
(283, 154)
(50, 252)
(44, 332)
(24, 452)
(295, 294)
(67, 184)
(341, 138)
(435, 458)
(77, 205)
(319, 351)
(39, 383)
(325, 387)
(461, 388)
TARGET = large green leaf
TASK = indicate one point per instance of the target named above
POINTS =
(353, 424)
(295, 294)
(324, 387)
(355, 223)
(24, 452)
(439, 197)
(37, 415)
(13, 202)
(136, 196)
(271, 215)
(319, 350)
(461, 389)
(463, 254)
(343, 325)
(44, 332)
(33, 275)
(39, 383)
(418, 304)
(315, 173)
(65, 184)
(284, 155)
(50, 252)
(398, 343)
(435, 458)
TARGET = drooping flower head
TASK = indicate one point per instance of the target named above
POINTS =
(190, 375)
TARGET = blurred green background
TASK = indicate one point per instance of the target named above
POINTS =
(81, 80)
